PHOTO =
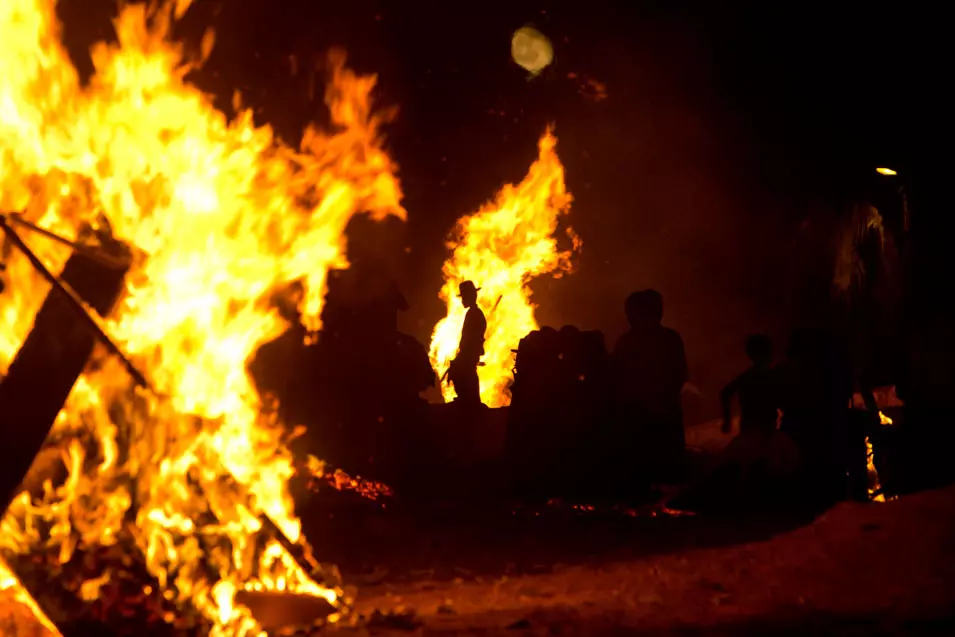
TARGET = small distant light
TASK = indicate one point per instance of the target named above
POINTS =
(886, 171)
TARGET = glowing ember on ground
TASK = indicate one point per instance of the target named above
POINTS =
(562, 507)
(501, 247)
(341, 481)
(218, 214)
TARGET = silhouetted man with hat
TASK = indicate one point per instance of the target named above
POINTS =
(463, 369)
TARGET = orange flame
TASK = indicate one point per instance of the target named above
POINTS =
(501, 247)
(218, 214)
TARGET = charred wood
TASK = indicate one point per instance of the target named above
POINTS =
(45, 369)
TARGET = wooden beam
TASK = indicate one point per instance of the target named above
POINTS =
(45, 369)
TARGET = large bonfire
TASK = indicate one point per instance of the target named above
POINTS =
(501, 248)
(218, 214)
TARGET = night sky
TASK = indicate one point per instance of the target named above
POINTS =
(719, 126)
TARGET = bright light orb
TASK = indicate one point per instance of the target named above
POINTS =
(531, 50)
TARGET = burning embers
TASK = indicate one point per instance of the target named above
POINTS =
(191, 476)
(369, 489)
(501, 247)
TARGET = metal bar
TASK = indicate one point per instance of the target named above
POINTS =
(88, 251)
(74, 302)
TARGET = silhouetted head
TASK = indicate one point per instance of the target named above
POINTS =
(468, 293)
(644, 308)
(759, 348)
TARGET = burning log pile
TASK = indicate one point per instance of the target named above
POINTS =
(106, 585)
(165, 504)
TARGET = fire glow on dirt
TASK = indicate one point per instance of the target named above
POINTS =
(501, 247)
(218, 213)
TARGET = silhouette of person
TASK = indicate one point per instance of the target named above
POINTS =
(463, 369)
(651, 363)
(761, 461)
(756, 389)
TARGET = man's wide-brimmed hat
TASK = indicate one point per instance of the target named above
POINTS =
(467, 286)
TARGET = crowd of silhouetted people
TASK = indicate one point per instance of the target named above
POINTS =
(589, 422)
(810, 430)
(586, 420)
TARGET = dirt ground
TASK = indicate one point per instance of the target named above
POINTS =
(859, 569)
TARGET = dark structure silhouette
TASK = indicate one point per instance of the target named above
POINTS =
(849, 295)
(534, 410)
(358, 388)
(926, 434)
(463, 369)
(363, 300)
(816, 387)
(277, 367)
(365, 376)
(650, 364)
(558, 426)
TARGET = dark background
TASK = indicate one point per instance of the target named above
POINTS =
(722, 121)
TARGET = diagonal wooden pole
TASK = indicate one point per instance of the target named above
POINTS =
(94, 253)
(74, 301)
